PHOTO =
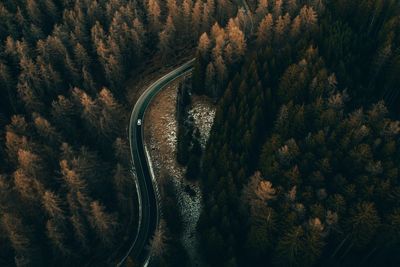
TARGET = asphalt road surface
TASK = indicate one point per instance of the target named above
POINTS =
(148, 201)
(149, 211)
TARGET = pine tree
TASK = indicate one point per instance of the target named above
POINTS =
(154, 11)
(296, 27)
(71, 177)
(114, 68)
(122, 185)
(6, 83)
(90, 110)
(364, 224)
(18, 125)
(13, 144)
(197, 18)
(292, 6)
(281, 27)
(290, 247)
(185, 135)
(31, 164)
(217, 33)
(56, 236)
(103, 223)
(64, 114)
(141, 37)
(264, 31)
(52, 205)
(81, 56)
(277, 9)
(30, 189)
(173, 10)
(262, 9)
(204, 45)
(208, 15)
(113, 118)
(211, 8)
(17, 233)
(221, 74)
(122, 150)
(210, 82)
(80, 229)
(88, 83)
(31, 99)
(187, 7)
(46, 130)
(237, 41)
(166, 36)
(6, 25)
(34, 13)
(308, 17)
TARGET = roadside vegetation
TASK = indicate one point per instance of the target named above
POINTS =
(189, 150)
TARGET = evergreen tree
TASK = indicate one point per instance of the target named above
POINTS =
(166, 37)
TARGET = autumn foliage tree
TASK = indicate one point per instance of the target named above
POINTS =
(64, 154)
(299, 160)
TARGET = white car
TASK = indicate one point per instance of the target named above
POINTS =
(139, 122)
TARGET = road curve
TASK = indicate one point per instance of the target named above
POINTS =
(149, 209)
(148, 202)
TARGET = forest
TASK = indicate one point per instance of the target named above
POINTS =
(306, 135)
(67, 195)
(301, 167)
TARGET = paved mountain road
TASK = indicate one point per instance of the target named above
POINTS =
(146, 187)
(149, 210)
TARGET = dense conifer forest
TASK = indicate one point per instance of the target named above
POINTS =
(306, 135)
(66, 192)
(302, 164)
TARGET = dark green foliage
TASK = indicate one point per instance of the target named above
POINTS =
(338, 156)
(174, 254)
(185, 133)
(171, 211)
(362, 38)
(199, 76)
(322, 152)
(183, 100)
(193, 167)
(189, 150)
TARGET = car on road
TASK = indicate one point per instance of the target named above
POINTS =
(139, 122)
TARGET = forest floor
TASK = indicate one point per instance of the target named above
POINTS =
(203, 112)
(161, 139)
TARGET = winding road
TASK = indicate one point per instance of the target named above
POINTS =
(149, 211)
(149, 207)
